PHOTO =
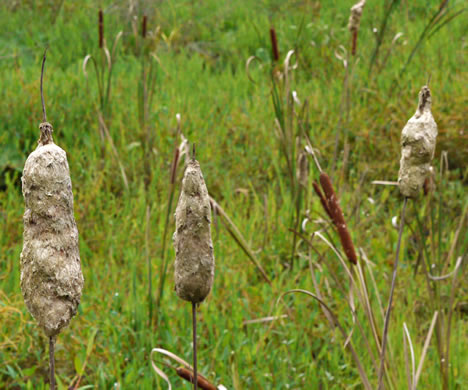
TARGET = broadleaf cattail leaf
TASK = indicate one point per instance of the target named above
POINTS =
(338, 218)
(418, 140)
(194, 264)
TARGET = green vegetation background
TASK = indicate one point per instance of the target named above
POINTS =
(201, 50)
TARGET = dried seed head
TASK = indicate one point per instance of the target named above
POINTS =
(355, 16)
(418, 140)
(51, 278)
(302, 170)
(194, 264)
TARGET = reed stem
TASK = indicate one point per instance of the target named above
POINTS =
(194, 320)
(52, 362)
(390, 299)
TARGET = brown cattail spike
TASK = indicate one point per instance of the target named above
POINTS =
(323, 201)
(101, 28)
(338, 218)
(143, 26)
(188, 376)
(274, 44)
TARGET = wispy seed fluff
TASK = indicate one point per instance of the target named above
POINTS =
(418, 140)
(194, 264)
(51, 278)
(355, 16)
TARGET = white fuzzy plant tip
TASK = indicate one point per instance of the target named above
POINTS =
(51, 278)
(418, 141)
(355, 16)
(194, 264)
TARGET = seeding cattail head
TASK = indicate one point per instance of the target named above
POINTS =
(334, 210)
(101, 28)
(51, 278)
(355, 16)
(194, 265)
(355, 22)
(418, 140)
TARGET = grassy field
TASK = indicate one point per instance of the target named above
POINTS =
(117, 123)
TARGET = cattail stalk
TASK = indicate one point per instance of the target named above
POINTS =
(51, 278)
(144, 26)
(418, 140)
(390, 299)
(274, 44)
(194, 327)
(194, 265)
(334, 209)
(101, 28)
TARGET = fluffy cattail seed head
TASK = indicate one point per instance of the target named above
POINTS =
(194, 264)
(51, 278)
(418, 140)
(355, 16)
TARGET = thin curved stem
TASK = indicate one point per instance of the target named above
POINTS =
(390, 299)
(44, 115)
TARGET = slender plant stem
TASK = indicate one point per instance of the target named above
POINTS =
(52, 362)
(194, 319)
(390, 298)
(44, 115)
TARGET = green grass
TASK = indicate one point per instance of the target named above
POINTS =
(202, 48)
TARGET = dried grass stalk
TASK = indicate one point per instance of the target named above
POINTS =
(418, 140)
(334, 210)
(51, 278)
(194, 264)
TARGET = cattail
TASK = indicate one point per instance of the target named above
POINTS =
(194, 265)
(101, 28)
(274, 44)
(302, 170)
(418, 140)
(354, 22)
(188, 376)
(51, 278)
(337, 216)
(323, 201)
(143, 26)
